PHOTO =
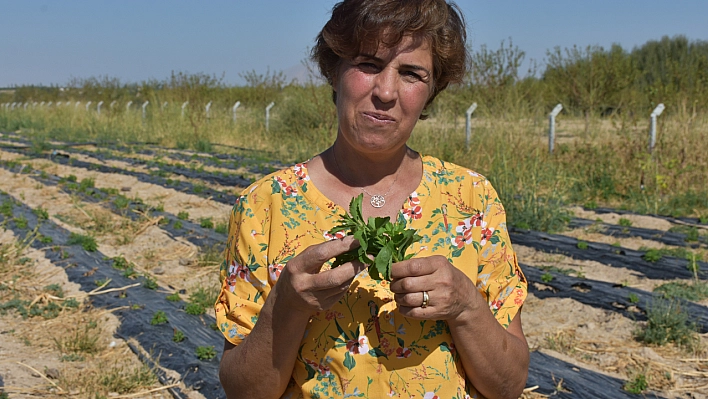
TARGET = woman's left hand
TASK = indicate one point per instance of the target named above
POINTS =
(450, 292)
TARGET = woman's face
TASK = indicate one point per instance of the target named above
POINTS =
(380, 96)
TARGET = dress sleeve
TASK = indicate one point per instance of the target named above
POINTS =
(244, 271)
(500, 279)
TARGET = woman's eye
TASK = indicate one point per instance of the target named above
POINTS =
(412, 75)
(368, 66)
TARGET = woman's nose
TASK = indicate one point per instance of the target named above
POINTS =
(386, 85)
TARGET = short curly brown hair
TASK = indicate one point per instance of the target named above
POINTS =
(363, 24)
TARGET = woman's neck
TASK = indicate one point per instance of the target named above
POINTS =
(367, 170)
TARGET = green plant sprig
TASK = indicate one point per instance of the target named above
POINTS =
(379, 239)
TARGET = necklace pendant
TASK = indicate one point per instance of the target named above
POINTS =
(377, 201)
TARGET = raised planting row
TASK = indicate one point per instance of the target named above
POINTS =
(679, 235)
(185, 343)
(653, 264)
(204, 234)
(253, 163)
(702, 221)
(182, 186)
(164, 169)
(630, 302)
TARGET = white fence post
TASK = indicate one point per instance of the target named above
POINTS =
(652, 126)
(40, 104)
(24, 107)
(164, 105)
(208, 106)
(58, 104)
(184, 104)
(112, 104)
(552, 127)
(468, 123)
(49, 104)
(268, 115)
(88, 104)
(127, 106)
(145, 104)
(233, 111)
(98, 107)
(75, 105)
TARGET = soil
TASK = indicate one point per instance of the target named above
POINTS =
(598, 340)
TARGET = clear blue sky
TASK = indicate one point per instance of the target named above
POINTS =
(49, 42)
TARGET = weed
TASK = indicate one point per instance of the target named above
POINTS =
(636, 385)
(210, 256)
(204, 297)
(633, 298)
(182, 215)
(45, 239)
(221, 228)
(122, 380)
(205, 352)
(652, 255)
(178, 224)
(173, 297)
(71, 357)
(546, 277)
(194, 309)
(82, 339)
(88, 243)
(625, 222)
(158, 318)
(178, 336)
(668, 321)
(121, 202)
(206, 223)
(120, 263)
(562, 341)
(697, 290)
(54, 289)
(691, 232)
(160, 207)
(150, 283)
(6, 209)
(582, 245)
(20, 222)
(100, 282)
(41, 213)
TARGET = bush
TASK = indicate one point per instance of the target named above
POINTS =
(667, 321)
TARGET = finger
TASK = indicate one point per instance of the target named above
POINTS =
(417, 312)
(342, 275)
(411, 284)
(412, 268)
(411, 299)
(313, 257)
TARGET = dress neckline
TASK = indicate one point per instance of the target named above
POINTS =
(314, 195)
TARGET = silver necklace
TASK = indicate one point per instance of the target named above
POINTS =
(377, 200)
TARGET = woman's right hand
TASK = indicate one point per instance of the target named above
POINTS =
(305, 288)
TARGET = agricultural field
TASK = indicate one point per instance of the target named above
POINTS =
(109, 258)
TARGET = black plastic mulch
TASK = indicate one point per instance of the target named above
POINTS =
(192, 232)
(664, 237)
(665, 268)
(548, 373)
(630, 302)
(85, 268)
(204, 192)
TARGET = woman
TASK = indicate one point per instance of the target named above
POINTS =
(448, 324)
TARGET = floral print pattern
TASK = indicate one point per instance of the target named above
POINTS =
(363, 347)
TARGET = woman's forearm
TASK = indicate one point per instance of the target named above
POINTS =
(261, 366)
(495, 359)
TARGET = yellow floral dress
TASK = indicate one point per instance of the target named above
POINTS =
(362, 346)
